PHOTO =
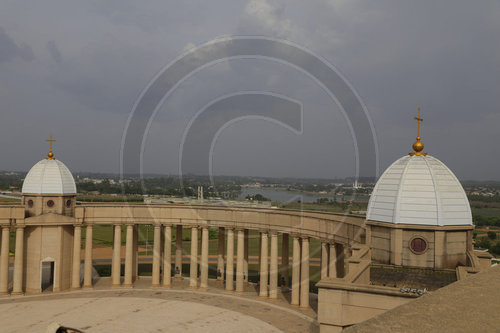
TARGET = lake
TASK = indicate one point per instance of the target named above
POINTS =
(288, 196)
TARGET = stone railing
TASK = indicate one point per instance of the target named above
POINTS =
(358, 265)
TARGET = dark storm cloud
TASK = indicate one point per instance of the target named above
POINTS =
(54, 51)
(443, 56)
(9, 49)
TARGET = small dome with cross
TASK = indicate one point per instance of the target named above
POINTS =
(49, 176)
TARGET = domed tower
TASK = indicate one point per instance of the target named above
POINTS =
(49, 187)
(49, 197)
(419, 215)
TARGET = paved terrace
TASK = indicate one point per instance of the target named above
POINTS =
(146, 309)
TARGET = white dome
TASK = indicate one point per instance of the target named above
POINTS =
(419, 190)
(49, 177)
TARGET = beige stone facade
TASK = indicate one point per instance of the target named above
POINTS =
(341, 305)
(446, 247)
(50, 244)
(346, 300)
(49, 241)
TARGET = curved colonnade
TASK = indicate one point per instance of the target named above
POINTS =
(335, 231)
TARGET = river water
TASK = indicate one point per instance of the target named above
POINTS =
(289, 196)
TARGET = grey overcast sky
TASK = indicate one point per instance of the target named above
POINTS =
(75, 69)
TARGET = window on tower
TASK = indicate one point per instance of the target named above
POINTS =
(418, 245)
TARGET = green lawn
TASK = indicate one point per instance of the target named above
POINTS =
(488, 212)
(332, 208)
(12, 200)
(103, 235)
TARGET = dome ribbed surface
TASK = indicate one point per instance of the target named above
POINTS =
(49, 177)
(419, 190)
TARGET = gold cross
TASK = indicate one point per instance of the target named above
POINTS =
(418, 119)
(50, 154)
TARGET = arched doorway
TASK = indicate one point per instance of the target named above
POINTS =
(47, 274)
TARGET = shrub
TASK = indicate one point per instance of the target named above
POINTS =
(484, 243)
(496, 248)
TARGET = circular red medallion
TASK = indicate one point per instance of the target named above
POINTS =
(68, 203)
(418, 245)
(50, 203)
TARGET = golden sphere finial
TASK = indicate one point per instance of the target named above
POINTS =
(50, 154)
(418, 146)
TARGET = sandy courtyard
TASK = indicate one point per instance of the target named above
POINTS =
(130, 314)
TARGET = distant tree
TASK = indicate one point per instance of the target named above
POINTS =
(322, 200)
(213, 234)
(496, 248)
(260, 197)
(481, 220)
(257, 197)
(492, 235)
(484, 243)
(348, 191)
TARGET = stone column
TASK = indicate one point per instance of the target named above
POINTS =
(336, 269)
(245, 258)
(87, 268)
(155, 280)
(178, 252)
(204, 258)
(230, 260)
(368, 235)
(296, 271)
(167, 256)
(193, 267)
(340, 260)
(77, 245)
(285, 253)
(324, 259)
(263, 265)
(240, 253)
(439, 249)
(18, 262)
(129, 256)
(220, 254)
(397, 247)
(273, 271)
(4, 261)
(116, 261)
(260, 256)
(304, 274)
(135, 257)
